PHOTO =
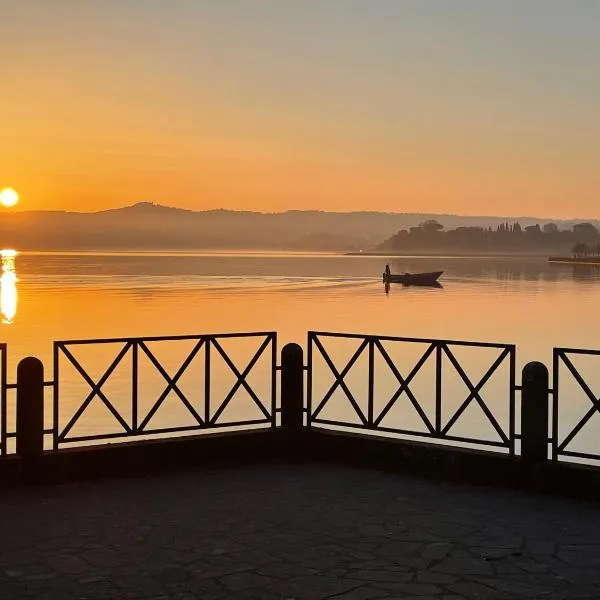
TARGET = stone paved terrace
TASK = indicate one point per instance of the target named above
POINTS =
(304, 532)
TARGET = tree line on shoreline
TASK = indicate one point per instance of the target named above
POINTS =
(583, 239)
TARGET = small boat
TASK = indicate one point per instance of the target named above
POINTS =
(413, 278)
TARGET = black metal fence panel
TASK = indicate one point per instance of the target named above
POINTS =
(382, 397)
(160, 393)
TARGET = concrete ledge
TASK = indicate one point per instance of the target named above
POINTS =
(220, 450)
(418, 458)
(147, 457)
(452, 463)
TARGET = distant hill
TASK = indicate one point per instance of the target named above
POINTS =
(147, 226)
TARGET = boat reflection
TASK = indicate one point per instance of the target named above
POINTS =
(8, 287)
(435, 285)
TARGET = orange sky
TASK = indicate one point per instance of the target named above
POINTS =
(404, 107)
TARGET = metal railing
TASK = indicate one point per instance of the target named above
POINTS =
(562, 360)
(3, 399)
(200, 410)
(437, 414)
(441, 352)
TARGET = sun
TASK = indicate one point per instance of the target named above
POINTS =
(8, 197)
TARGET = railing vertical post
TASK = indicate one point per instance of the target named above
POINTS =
(371, 391)
(534, 413)
(30, 408)
(292, 387)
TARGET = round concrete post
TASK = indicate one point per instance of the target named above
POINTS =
(292, 386)
(534, 413)
(30, 408)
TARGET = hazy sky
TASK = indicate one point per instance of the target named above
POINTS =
(461, 106)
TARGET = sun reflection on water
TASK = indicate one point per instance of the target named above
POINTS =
(8, 287)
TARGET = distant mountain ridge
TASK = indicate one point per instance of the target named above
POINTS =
(149, 226)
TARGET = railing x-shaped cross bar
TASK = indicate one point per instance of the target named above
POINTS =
(241, 380)
(171, 383)
(96, 390)
(561, 355)
(404, 386)
(339, 380)
(474, 392)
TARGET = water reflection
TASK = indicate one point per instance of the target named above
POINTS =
(586, 272)
(8, 287)
(501, 269)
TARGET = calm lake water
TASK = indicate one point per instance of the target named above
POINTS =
(62, 296)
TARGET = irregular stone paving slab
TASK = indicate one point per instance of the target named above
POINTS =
(294, 532)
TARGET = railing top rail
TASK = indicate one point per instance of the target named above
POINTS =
(592, 352)
(313, 334)
(167, 338)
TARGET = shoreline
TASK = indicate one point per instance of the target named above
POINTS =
(569, 260)
(446, 254)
